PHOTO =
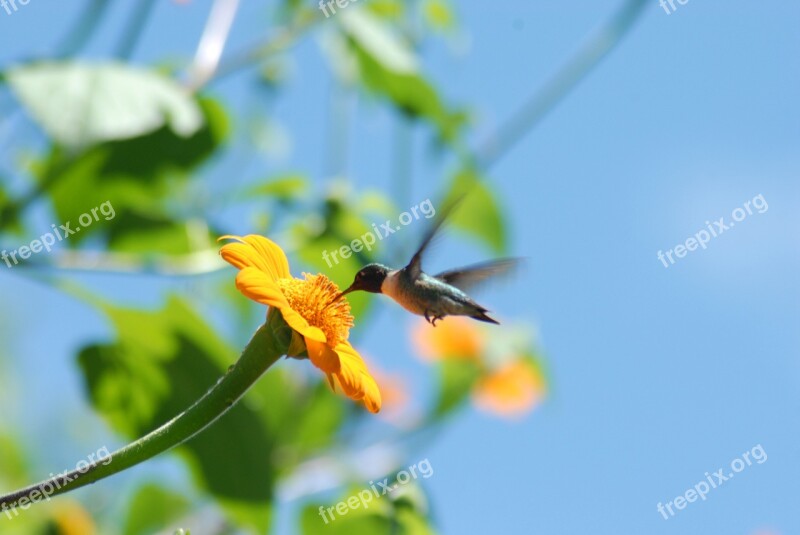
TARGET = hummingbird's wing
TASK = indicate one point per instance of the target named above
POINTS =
(414, 267)
(467, 277)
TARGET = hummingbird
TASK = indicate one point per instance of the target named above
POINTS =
(431, 296)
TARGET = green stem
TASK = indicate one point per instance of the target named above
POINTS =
(402, 169)
(268, 344)
(134, 30)
(588, 56)
(338, 130)
(278, 42)
(74, 41)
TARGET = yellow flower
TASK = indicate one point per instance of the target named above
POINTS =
(307, 307)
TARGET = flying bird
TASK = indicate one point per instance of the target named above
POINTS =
(433, 297)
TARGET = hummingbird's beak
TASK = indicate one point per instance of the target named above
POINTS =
(342, 294)
(347, 291)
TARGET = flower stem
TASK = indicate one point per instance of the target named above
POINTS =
(268, 344)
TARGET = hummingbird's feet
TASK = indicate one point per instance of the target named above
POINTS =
(432, 320)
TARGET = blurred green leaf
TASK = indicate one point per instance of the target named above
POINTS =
(160, 364)
(152, 508)
(389, 68)
(81, 104)
(479, 213)
(439, 14)
(14, 467)
(285, 188)
(9, 213)
(136, 176)
(412, 522)
(456, 379)
(144, 234)
(387, 9)
(355, 523)
(377, 40)
(384, 515)
(308, 424)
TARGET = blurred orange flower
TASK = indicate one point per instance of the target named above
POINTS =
(455, 338)
(307, 305)
(512, 390)
(72, 519)
(512, 387)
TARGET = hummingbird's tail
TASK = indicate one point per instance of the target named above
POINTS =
(481, 316)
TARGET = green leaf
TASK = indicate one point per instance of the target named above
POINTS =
(375, 39)
(393, 514)
(160, 364)
(322, 417)
(355, 523)
(147, 235)
(14, 471)
(9, 213)
(412, 522)
(456, 379)
(479, 213)
(81, 104)
(439, 14)
(284, 188)
(387, 9)
(152, 508)
(137, 176)
(389, 68)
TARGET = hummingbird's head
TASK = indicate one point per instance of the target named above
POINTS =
(369, 279)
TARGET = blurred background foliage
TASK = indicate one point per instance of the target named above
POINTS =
(146, 138)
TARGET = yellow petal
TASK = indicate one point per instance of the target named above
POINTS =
(299, 324)
(322, 356)
(258, 252)
(269, 250)
(260, 287)
(355, 379)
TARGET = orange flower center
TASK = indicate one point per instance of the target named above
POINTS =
(312, 299)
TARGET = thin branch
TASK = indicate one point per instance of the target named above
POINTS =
(83, 29)
(193, 264)
(212, 43)
(282, 39)
(134, 30)
(566, 79)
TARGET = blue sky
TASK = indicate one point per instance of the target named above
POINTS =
(658, 374)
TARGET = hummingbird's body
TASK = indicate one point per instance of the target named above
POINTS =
(433, 297)
(430, 297)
